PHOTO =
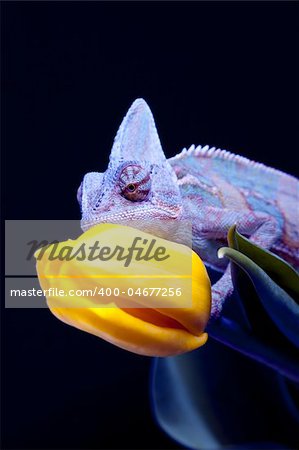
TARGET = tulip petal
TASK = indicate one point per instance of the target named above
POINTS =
(130, 333)
(153, 326)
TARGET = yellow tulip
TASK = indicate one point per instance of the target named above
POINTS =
(128, 309)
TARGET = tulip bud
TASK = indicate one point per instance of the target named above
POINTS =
(154, 303)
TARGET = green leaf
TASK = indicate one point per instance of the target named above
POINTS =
(279, 270)
(280, 306)
(265, 288)
(234, 336)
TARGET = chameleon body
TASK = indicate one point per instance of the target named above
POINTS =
(212, 188)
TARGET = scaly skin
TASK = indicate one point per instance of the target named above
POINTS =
(213, 189)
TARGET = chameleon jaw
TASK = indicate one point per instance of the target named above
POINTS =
(145, 214)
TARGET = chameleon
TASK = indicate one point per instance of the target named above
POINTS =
(212, 188)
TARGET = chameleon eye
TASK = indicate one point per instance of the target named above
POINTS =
(131, 187)
(135, 183)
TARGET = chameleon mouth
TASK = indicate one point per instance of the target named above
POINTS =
(127, 217)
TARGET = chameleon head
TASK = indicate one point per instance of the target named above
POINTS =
(138, 185)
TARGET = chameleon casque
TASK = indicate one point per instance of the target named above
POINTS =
(212, 188)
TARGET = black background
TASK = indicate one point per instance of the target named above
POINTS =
(222, 74)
